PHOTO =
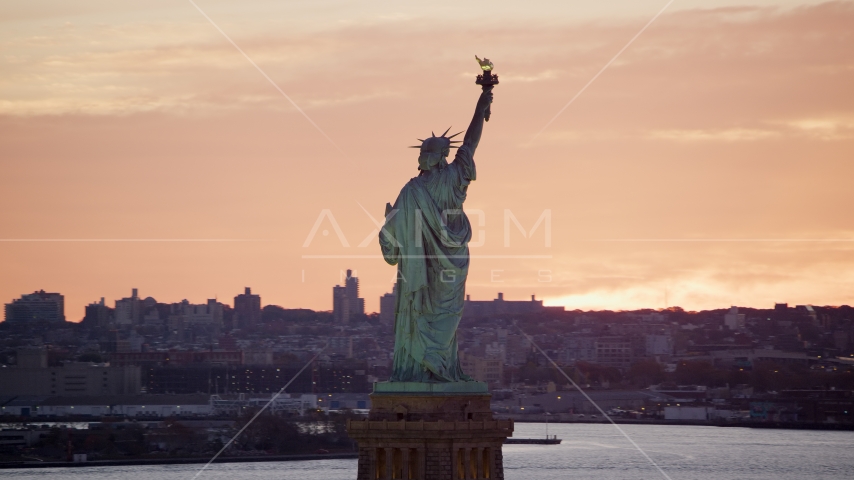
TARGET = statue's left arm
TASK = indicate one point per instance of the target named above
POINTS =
(389, 245)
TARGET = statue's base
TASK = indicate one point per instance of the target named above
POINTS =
(417, 432)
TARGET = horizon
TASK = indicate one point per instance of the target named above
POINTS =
(672, 308)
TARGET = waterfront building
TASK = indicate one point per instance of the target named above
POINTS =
(499, 306)
(488, 369)
(33, 376)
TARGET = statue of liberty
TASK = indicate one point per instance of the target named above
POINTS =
(426, 234)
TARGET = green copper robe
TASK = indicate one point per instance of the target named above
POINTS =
(426, 235)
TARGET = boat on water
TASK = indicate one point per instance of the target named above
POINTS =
(553, 440)
(548, 440)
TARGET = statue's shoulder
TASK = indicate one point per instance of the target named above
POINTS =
(412, 187)
(414, 182)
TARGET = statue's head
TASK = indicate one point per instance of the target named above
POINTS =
(435, 151)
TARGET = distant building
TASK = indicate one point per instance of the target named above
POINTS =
(688, 413)
(247, 309)
(154, 313)
(734, 320)
(806, 314)
(185, 314)
(37, 306)
(388, 304)
(32, 376)
(260, 357)
(659, 344)
(780, 315)
(487, 369)
(343, 376)
(178, 357)
(340, 304)
(517, 349)
(341, 345)
(841, 339)
(98, 315)
(345, 299)
(499, 306)
(33, 357)
(138, 406)
(614, 352)
(579, 348)
(128, 310)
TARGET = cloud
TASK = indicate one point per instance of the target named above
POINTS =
(727, 55)
(728, 135)
(824, 128)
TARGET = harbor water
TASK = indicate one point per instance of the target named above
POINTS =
(588, 451)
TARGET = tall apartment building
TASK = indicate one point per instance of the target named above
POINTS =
(98, 314)
(37, 306)
(388, 304)
(734, 320)
(345, 299)
(247, 309)
(128, 310)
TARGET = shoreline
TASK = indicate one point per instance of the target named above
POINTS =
(177, 461)
(692, 423)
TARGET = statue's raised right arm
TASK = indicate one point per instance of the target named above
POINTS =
(475, 129)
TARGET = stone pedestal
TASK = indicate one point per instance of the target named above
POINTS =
(429, 434)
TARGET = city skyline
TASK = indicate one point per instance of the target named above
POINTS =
(124, 307)
(708, 166)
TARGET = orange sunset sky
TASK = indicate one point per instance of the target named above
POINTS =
(710, 165)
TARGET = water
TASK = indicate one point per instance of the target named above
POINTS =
(588, 451)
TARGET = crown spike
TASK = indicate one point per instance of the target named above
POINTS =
(415, 146)
(456, 141)
(454, 135)
(431, 132)
(446, 131)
